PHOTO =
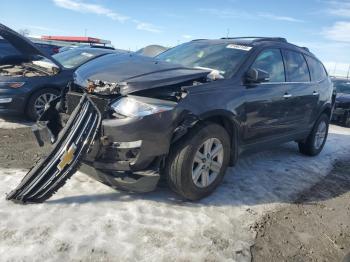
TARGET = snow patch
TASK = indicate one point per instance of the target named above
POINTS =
(88, 221)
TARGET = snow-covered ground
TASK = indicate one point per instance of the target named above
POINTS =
(88, 221)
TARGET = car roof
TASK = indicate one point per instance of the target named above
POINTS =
(254, 41)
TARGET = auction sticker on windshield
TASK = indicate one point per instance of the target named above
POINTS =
(240, 47)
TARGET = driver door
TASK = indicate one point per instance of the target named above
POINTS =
(266, 103)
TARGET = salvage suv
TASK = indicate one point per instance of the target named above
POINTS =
(185, 115)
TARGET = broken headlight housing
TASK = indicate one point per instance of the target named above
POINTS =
(131, 106)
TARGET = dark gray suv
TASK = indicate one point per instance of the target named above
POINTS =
(185, 115)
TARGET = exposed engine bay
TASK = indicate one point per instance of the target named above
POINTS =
(33, 69)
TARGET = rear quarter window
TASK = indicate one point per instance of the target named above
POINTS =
(296, 67)
(317, 70)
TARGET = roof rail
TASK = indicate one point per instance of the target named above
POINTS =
(305, 48)
(277, 39)
(259, 38)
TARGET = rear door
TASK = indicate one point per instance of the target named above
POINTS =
(301, 94)
(320, 83)
(265, 106)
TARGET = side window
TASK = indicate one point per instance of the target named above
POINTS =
(271, 61)
(317, 70)
(297, 70)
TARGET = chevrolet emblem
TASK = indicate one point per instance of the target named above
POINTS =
(67, 157)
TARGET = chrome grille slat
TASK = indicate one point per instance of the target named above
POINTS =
(46, 178)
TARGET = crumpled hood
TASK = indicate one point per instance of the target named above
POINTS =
(135, 73)
(343, 98)
(23, 44)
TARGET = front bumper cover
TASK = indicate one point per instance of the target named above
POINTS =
(71, 146)
(78, 146)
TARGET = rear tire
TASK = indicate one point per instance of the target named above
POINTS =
(190, 170)
(315, 142)
(40, 98)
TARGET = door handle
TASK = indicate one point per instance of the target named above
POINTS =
(287, 96)
(315, 93)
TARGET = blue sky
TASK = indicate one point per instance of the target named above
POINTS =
(323, 26)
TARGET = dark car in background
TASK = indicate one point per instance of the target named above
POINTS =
(341, 113)
(151, 50)
(185, 115)
(6, 49)
(31, 78)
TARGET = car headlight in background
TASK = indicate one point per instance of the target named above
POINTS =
(132, 107)
(12, 84)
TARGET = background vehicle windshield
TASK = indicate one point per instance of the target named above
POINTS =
(76, 57)
(223, 57)
(343, 87)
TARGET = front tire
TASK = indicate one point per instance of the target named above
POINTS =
(196, 165)
(37, 102)
(315, 142)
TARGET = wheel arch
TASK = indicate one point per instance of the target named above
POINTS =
(326, 109)
(221, 117)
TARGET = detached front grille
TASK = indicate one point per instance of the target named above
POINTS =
(51, 173)
(73, 98)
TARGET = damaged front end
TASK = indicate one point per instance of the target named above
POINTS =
(117, 131)
(87, 137)
(71, 146)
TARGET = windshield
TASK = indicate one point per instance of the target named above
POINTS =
(223, 57)
(343, 87)
(76, 57)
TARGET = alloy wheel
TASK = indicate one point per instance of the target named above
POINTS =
(207, 162)
(41, 102)
(320, 135)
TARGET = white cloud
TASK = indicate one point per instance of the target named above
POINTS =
(339, 31)
(80, 6)
(147, 27)
(241, 14)
(83, 7)
(187, 36)
(227, 13)
(279, 18)
(341, 9)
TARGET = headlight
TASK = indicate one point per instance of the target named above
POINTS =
(12, 84)
(132, 107)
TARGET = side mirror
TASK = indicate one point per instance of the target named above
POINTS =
(255, 76)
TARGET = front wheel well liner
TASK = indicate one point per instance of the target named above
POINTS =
(231, 129)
